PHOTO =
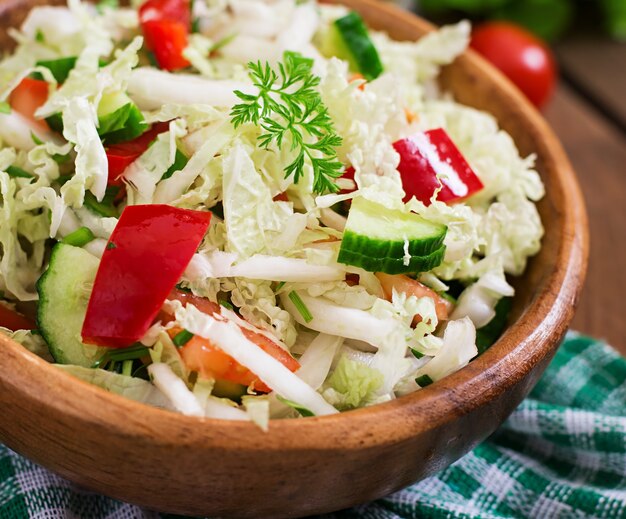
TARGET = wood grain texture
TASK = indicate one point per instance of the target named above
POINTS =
(597, 67)
(598, 152)
(207, 467)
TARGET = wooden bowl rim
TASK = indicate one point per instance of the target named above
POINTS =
(391, 422)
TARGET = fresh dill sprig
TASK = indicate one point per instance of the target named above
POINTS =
(289, 109)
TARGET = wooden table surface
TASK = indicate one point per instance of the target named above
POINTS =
(588, 113)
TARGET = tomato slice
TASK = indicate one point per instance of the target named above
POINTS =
(411, 287)
(27, 96)
(210, 361)
(13, 320)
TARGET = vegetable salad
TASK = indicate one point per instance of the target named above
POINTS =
(248, 209)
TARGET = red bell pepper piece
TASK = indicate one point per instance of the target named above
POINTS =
(123, 154)
(173, 10)
(429, 160)
(27, 96)
(166, 25)
(146, 255)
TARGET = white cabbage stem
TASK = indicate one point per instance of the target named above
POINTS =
(150, 89)
(334, 319)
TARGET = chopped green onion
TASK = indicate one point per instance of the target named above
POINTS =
(424, 381)
(111, 245)
(180, 161)
(36, 139)
(16, 172)
(5, 108)
(280, 285)
(226, 304)
(301, 409)
(79, 237)
(182, 338)
(39, 36)
(127, 368)
(133, 352)
(222, 42)
(300, 306)
(416, 354)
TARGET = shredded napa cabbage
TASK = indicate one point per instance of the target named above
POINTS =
(270, 256)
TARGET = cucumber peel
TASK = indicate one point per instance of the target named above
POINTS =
(64, 290)
(348, 39)
(379, 239)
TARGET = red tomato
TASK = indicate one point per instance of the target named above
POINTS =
(411, 287)
(13, 320)
(26, 97)
(209, 361)
(520, 55)
(201, 355)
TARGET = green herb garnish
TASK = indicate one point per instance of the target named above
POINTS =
(300, 306)
(182, 338)
(290, 110)
(111, 245)
(424, 381)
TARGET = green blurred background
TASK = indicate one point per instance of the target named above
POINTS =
(549, 19)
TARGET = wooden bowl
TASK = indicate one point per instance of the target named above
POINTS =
(180, 464)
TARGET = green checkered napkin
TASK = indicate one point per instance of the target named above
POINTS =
(562, 453)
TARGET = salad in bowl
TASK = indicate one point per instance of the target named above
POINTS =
(247, 209)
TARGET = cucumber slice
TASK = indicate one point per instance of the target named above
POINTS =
(393, 266)
(64, 291)
(349, 40)
(119, 119)
(377, 239)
